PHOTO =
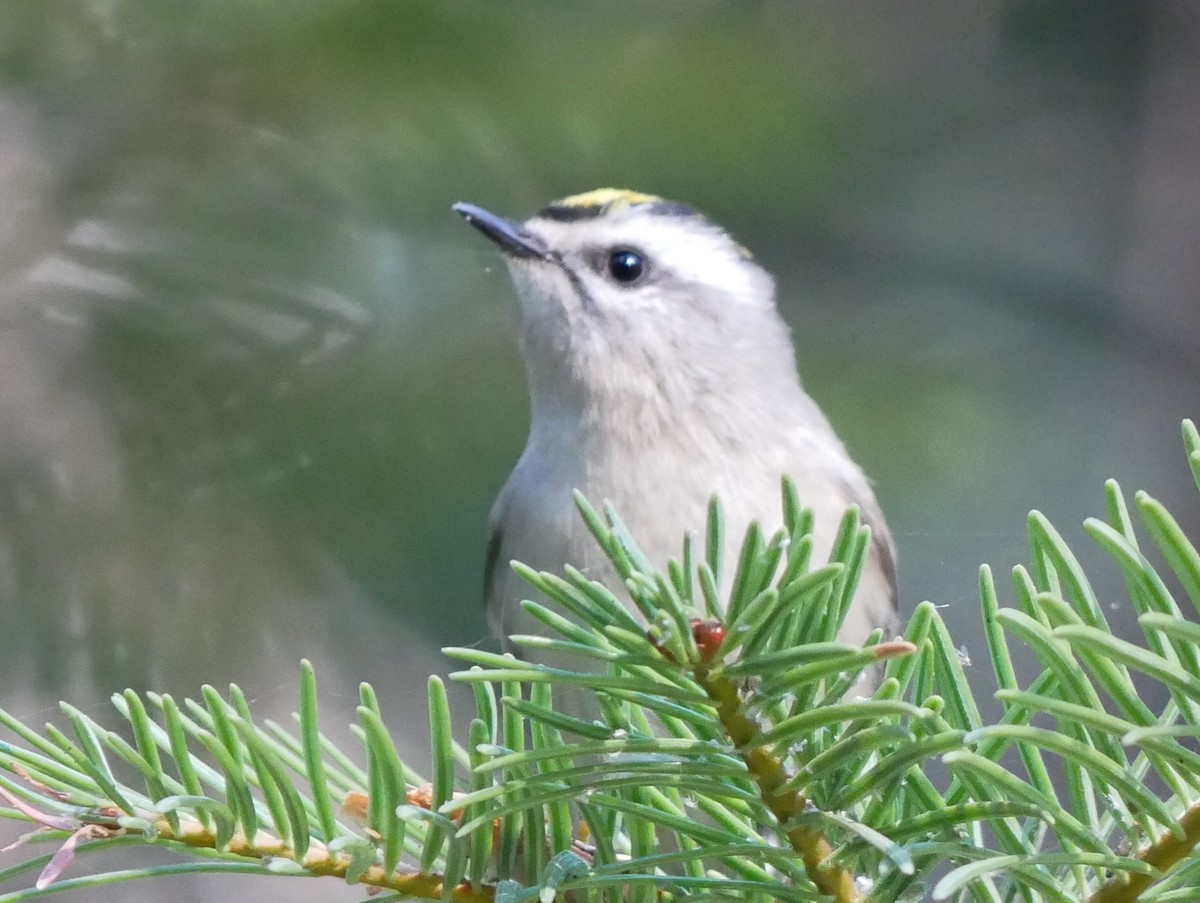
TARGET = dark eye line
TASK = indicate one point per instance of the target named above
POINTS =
(586, 301)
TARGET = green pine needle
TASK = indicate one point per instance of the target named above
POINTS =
(727, 759)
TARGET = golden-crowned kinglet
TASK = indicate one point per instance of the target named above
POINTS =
(660, 373)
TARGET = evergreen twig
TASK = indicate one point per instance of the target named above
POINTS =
(726, 761)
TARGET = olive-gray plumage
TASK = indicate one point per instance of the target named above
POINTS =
(660, 373)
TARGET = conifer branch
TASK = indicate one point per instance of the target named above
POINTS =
(724, 727)
(812, 846)
(768, 771)
(1163, 855)
(319, 862)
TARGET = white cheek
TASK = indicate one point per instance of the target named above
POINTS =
(646, 300)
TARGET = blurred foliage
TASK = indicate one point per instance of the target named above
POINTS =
(251, 362)
(398, 97)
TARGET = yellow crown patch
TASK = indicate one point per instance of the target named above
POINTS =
(606, 201)
(600, 202)
(608, 198)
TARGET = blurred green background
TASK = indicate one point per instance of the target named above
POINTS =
(258, 386)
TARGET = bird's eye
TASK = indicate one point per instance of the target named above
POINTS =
(626, 266)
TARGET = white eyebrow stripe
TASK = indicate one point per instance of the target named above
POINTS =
(691, 247)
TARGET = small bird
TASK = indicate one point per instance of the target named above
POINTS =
(660, 373)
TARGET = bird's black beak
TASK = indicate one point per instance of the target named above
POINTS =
(511, 238)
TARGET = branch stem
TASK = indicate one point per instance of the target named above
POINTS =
(1163, 854)
(320, 861)
(768, 773)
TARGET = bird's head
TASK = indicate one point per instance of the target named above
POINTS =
(626, 294)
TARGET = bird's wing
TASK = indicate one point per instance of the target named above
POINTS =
(884, 552)
(495, 572)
